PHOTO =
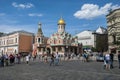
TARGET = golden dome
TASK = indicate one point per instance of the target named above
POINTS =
(61, 21)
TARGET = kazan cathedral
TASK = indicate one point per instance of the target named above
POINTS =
(61, 41)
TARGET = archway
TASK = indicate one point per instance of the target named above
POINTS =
(75, 51)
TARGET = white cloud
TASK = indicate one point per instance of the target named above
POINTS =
(2, 14)
(35, 14)
(23, 6)
(90, 11)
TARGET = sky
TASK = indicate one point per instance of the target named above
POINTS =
(79, 15)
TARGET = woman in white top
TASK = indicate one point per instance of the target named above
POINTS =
(107, 58)
(27, 59)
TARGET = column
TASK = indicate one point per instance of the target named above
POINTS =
(63, 49)
(51, 49)
(42, 50)
(56, 49)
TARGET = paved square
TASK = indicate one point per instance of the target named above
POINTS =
(67, 70)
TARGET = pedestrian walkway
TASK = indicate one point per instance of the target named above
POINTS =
(67, 70)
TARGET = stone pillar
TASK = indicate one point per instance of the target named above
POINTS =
(56, 49)
(63, 49)
(51, 49)
(42, 50)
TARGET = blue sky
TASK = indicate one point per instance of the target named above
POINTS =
(79, 15)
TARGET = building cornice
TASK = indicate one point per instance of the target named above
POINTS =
(112, 12)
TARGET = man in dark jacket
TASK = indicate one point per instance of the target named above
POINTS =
(2, 60)
(119, 58)
(111, 60)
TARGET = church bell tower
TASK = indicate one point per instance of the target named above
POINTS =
(40, 36)
(61, 25)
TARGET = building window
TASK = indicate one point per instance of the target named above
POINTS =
(114, 38)
(11, 41)
(118, 38)
(15, 52)
(38, 39)
(54, 41)
(2, 51)
(4, 42)
(16, 40)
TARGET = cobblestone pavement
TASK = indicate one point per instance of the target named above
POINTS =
(67, 70)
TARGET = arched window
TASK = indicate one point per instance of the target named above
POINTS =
(15, 40)
(38, 39)
(15, 52)
(59, 41)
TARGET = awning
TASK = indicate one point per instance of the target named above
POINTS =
(86, 47)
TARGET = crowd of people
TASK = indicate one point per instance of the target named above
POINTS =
(10, 59)
(55, 58)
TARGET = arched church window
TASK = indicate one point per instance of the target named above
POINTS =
(114, 38)
(118, 38)
(59, 41)
(54, 41)
(38, 39)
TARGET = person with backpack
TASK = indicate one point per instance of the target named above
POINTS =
(52, 59)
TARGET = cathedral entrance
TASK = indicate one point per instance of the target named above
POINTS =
(75, 51)
(48, 51)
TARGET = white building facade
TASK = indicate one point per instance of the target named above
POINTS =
(86, 38)
(93, 39)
